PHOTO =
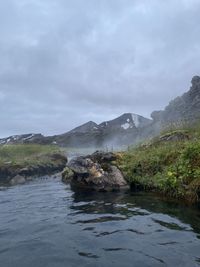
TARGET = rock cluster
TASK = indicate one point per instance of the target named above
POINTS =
(95, 172)
(174, 136)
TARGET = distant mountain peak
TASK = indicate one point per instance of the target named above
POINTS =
(134, 118)
(24, 138)
(88, 126)
(127, 121)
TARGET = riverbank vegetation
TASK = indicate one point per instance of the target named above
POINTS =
(169, 164)
(20, 163)
(26, 154)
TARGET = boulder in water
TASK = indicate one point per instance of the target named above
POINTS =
(95, 172)
(18, 179)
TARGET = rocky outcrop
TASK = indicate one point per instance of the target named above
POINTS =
(182, 110)
(174, 136)
(95, 172)
(12, 174)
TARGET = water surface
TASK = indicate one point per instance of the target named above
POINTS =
(44, 223)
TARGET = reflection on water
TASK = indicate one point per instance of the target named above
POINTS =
(44, 223)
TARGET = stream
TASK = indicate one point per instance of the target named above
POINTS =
(44, 223)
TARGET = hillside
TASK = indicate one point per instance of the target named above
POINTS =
(182, 110)
(168, 164)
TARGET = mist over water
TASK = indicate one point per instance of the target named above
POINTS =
(44, 223)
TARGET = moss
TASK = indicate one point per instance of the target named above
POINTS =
(67, 175)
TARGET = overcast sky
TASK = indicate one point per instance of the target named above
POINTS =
(65, 62)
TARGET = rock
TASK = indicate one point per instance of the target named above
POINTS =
(195, 81)
(174, 136)
(102, 157)
(57, 176)
(183, 110)
(95, 172)
(24, 171)
(18, 179)
(81, 165)
(67, 175)
(156, 115)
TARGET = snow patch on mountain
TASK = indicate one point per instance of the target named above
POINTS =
(125, 126)
(28, 137)
(135, 119)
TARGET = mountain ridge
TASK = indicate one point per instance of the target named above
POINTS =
(90, 133)
(127, 129)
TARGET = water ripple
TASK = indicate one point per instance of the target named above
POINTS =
(44, 223)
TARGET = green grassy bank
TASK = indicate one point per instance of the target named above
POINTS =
(26, 154)
(168, 166)
(19, 163)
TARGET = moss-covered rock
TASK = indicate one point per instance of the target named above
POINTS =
(67, 175)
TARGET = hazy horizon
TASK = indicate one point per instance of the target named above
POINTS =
(64, 63)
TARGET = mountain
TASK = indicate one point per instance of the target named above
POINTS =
(127, 129)
(182, 110)
(118, 132)
(126, 121)
(21, 139)
(121, 131)
(86, 127)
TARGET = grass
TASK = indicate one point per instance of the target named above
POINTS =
(25, 154)
(170, 167)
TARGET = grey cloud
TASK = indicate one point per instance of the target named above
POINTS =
(66, 62)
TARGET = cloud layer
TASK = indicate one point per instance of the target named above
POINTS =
(66, 62)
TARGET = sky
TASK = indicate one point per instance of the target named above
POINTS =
(66, 62)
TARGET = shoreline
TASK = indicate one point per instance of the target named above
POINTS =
(24, 162)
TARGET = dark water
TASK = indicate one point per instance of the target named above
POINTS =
(44, 223)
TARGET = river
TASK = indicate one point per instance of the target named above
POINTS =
(43, 223)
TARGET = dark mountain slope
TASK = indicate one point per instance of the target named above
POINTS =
(182, 110)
